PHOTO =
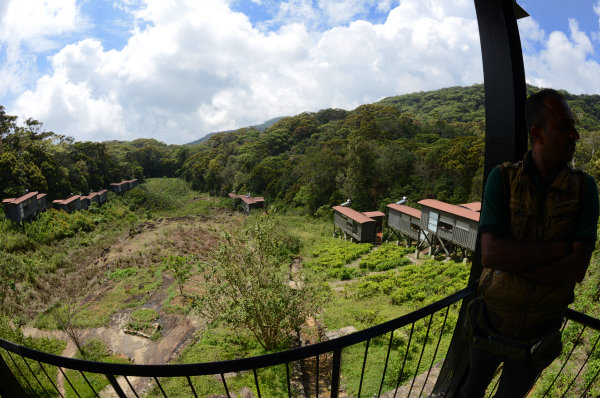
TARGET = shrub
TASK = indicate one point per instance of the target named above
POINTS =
(336, 253)
(246, 285)
(386, 257)
(123, 273)
(144, 315)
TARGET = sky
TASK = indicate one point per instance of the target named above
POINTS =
(175, 70)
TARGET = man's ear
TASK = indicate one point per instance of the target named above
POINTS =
(537, 134)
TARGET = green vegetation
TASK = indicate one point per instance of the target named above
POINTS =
(369, 301)
(51, 346)
(216, 344)
(144, 315)
(144, 321)
(247, 284)
(95, 351)
(386, 257)
(331, 256)
(181, 269)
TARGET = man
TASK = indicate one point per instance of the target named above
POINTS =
(538, 230)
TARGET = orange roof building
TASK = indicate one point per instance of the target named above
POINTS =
(23, 207)
(362, 227)
(404, 220)
(247, 202)
(450, 223)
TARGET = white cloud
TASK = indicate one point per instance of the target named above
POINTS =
(341, 11)
(28, 28)
(564, 62)
(34, 23)
(193, 67)
(531, 34)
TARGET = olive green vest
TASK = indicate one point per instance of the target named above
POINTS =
(518, 306)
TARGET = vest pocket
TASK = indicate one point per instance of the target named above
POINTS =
(523, 221)
(560, 220)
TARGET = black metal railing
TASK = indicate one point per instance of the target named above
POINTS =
(402, 364)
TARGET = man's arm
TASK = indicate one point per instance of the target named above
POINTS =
(507, 254)
(568, 269)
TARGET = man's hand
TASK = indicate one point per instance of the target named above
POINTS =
(544, 262)
(507, 254)
(568, 269)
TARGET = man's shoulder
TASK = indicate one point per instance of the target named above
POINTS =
(509, 169)
(511, 165)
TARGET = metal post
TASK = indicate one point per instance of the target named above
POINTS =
(505, 139)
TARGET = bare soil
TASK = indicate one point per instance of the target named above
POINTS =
(142, 246)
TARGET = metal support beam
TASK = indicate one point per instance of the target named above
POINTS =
(505, 139)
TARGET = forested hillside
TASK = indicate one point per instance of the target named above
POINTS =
(417, 145)
(422, 145)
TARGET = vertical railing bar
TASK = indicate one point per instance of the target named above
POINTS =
(565, 362)
(421, 356)
(335, 373)
(590, 383)
(387, 358)
(20, 371)
(412, 328)
(115, 385)
(159, 386)
(317, 378)
(362, 373)
(256, 382)
(89, 384)
(49, 379)
(191, 386)
(225, 385)
(287, 374)
(582, 366)
(34, 376)
(130, 386)
(436, 350)
(69, 381)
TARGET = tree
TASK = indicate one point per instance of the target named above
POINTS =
(181, 269)
(65, 317)
(247, 284)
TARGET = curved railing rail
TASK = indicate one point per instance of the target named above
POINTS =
(31, 371)
(159, 372)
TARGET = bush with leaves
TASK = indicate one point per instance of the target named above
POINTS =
(335, 253)
(181, 269)
(386, 257)
(247, 284)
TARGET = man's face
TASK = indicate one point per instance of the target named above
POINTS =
(559, 133)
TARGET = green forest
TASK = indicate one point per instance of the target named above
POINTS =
(421, 145)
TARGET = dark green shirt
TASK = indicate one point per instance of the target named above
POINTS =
(495, 211)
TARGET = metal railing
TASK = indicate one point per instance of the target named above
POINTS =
(416, 341)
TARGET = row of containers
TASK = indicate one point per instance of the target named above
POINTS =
(438, 225)
(33, 203)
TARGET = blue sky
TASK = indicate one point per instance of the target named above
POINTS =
(176, 70)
